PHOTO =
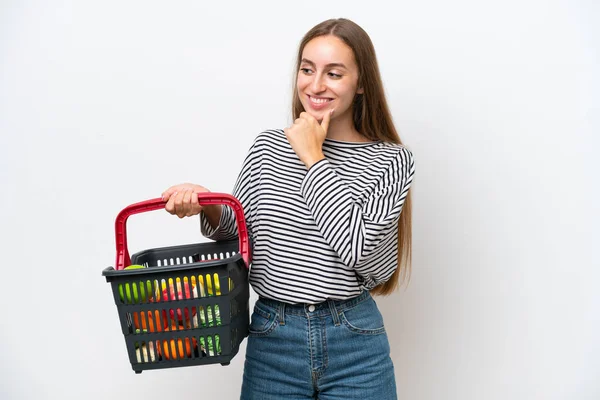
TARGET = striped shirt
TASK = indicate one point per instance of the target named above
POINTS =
(328, 232)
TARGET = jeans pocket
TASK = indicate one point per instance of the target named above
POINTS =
(364, 319)
(262, 322)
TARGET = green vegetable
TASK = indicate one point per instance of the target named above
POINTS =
(133, 287)
(210, 349)
(212, 317)
(208, 321)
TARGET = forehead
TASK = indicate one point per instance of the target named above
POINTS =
(329, 49)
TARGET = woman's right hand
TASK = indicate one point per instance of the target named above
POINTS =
(182, 200)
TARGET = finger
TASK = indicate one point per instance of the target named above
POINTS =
(306, 117)
(170, 206)
(187, 196)
(187, 201)
(194, 198)
(166, 195)
(326, 119)
(179, 211)
(194, 204)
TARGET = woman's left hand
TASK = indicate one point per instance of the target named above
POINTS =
(306, 136)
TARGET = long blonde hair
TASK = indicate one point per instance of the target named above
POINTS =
(372, 118)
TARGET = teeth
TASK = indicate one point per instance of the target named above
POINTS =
(319, 101)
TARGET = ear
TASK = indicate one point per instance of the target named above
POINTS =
(360, 91)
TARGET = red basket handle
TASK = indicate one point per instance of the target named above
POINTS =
(123, 258)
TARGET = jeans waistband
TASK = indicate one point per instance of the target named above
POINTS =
(323, 308)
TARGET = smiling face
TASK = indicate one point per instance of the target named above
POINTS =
(328, 78)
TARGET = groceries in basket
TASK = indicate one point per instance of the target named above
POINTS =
(182, 305)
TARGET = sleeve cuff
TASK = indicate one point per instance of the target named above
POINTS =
(206, 228)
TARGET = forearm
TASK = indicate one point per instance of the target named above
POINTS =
(213, 214)
(354, 227)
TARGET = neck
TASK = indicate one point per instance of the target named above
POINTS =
(342, 128)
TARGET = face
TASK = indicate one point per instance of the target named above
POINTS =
(328, 78)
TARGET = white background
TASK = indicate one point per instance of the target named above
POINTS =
(103, 104)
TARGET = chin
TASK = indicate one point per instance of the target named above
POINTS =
(318, 115)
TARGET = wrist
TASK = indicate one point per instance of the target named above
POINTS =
(310, 161)
(212, 213)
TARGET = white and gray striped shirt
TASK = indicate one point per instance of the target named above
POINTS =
(329, 232)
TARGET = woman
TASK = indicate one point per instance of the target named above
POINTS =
(323, 201)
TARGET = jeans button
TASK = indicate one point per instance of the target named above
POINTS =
(311, 308)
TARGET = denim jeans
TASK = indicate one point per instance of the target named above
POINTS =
(335, 350)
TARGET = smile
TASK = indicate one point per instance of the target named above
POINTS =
(318, 102)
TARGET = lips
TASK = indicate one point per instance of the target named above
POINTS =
(318, 103)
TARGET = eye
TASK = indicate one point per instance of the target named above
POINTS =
(306, 71)
(334, 75)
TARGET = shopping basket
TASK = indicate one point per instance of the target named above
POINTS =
(183, 305)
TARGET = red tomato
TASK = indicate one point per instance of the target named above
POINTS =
(169, 293)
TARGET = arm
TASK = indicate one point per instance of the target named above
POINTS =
(355, 229)
(218, 223)
(212, 215)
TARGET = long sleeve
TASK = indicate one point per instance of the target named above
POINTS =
(326, 233)
(227, 229)
(358, 229)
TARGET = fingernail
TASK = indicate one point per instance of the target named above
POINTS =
(331, 112)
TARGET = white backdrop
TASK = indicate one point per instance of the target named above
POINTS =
(103, 104)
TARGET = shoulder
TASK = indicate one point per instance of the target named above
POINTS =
(396, 163)
(394, 148)
(270, 136)
(405, 156)
(271, 141)
(268, 139)
(393, 156)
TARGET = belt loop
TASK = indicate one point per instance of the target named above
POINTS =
(334, 313)
(281, 313)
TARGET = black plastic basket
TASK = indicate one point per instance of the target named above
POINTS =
(189, 305)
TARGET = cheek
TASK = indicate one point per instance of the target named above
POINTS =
(342, 88)
(352, 89)
(346, 94)
(302, 82)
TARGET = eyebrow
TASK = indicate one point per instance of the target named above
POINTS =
(330, 65)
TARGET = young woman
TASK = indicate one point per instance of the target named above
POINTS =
(328, 208)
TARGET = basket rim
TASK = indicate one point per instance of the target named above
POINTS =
(111, 271)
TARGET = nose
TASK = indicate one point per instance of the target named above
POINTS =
(317, 85)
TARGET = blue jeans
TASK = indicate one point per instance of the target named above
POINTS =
(335, 350)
